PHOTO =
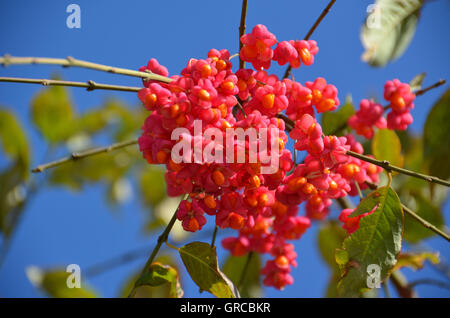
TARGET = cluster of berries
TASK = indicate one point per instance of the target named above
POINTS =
(370, 114)
(262, 207)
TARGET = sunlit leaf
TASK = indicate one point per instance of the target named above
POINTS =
(12, 196)
(146, 291)
(376, 243)
(416, 260)
(436, 136)
(200, 260)
(54, 283)
(389, 29)
(416, 83)
(234, 267)
(386, 146)
(52, 113)
(13, 138)
(158, 274)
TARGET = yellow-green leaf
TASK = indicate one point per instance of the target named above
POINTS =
(386, 146)
(13, 138)
(54, 283)
(52, 113)
(158, 274)
(416, 260)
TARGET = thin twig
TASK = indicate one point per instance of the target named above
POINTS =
(89, 85)
(311, 31)
(425, 223)
(413, 214)
(426, 89)
(80, 155)
(69, 61)
(387, 166)
(242, 27)
(213, 241)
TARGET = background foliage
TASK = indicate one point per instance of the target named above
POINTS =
(110, 207)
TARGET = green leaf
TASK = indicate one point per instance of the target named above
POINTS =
(386, 146)
(416, 82)
(147, 291)
(389, 29)
(152, 185)
(378, 241)
(200, 260)
(329, 238)
(251, 285)
(334, 123)
(437, 137)
(414, 231)
(416, 260)
(128, 121)
(54, 283)
(13, 138)
(158, 274)
(12, 196)
(52, 113)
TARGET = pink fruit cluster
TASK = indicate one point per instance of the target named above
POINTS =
(370, 114)
(262, 208)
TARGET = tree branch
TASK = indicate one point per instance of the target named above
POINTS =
(242, 29)
(416, 217)
(89, 85)
(387, 166)
(69, 61)
(311, 31)
(80, 155)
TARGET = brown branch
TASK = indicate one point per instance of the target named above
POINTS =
(80, 155)
(242, 27)
(311, 31)
(69, 61)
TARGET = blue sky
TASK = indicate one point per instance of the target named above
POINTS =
(61, 227)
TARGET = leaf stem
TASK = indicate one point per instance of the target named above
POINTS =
(311, 31)
(69, 61)
(242, 27)
(89, 85)
(80, 155)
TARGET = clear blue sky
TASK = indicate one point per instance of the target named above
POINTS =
(61, 227)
